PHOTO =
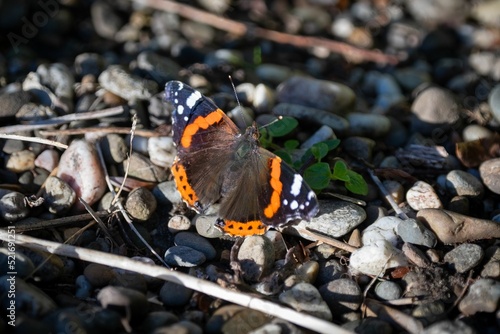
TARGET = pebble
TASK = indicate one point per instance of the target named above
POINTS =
(217, 7)
(142, 168)
(430, 311)
(10, 146)
(304, 297)
(330, 270)
(487, 13)
(415, 255)
(386, 88)
(342, 295)
(178, 223)
(263, 98)
(462, 183)
(453, 228)
(98, 275)
(166, 195)
(13, 206)
(256, 257)
(161, 151)
(273, 73)
(383, 228)
(219, 57)
(330, 96)
(24, 266)
(30, 300)
(239, 320)
(423, 196)
(245, 92)
(474, 132)
(373, 325)
(412, 231)
(368, 125)
(410, 78)
(196, 242)
(49, 266)
(129, 280)
(114, 148)
(58, 196)
(181, 327)
(317, 116)
(395, 189)
(359, 147)
(205, 226)
(323, 133)
(48, 160)
(279, 244)
(277, 326)
(105, 19)
(464, 257)
(58, 77)
(448, 326)
(140, 204)
(182, 256)
(482, 296)
(83, 287)
(20, 161)
(158, 67)
(313, 20)
(158, 319)
(125, 85)
(88, 63)
(371, 259)
(336, 219)
(490, 174)
(494, 102)
(130, 303)
(434, 108)
(174, 295)
(12, 102)
(388, 290)
(81, 169)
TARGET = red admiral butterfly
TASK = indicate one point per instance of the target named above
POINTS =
(215, 162)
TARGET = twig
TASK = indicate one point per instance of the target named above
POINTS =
(386, 313)
(108, 129)
(40, 225)
(387, 196)
(208, 288)
(34, 140)
(329, 241)
(240, 29)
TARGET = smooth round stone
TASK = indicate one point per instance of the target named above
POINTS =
(83, 287)
(80, 167)
(395, 189)
(304, 297)
(13, 206)
(323, 133)
(342, 295)
(313, 20)
(410, 78)
(423, 196)
(434, 108)
(431, 311)
(161, 151)
(48, 160)
(256, 257)
(449, 326)
(263, 98)
(183, 256)
(474, 132)
(386, 88)
(482, 296)
(125, 85)
(158, 319)
(158, 67)
(58, 77)
(142, 168)
(183, 326)
(24, 266)
(30, 300)
(373, 325)
(375, 258)
(368, 125)
(342, 26)
(133, 302)
(129, 280)
(335, 219)
(382, 229)
(245, 92)
(89, 64)
(223, 57)
(464, 257)
(412, 231)
(236, 319)
(166, 194)
(461, 183)
(140, 204)
(482, 62)
(494, 102)
(196, 242)
(487, 13)
(490, 174)
(359, 147)
(174, 295)
(58, 196)
(20, 161)
(10, 146)
(205, 226)
(388, 290)
(277, 326)
(415, 255)
(319, 94)
(178, 223)
(12, 102)
(390, 162)
(98, 275)
(217, 7)
(114, 148)
(273, 73)
(279, 244)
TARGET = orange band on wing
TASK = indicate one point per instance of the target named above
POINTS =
(244, 229)
(181, 181)
(200, 123)
(276, 185)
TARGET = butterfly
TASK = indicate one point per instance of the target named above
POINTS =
(217, 163)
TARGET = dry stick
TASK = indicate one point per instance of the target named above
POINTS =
(108, 129)
(240, 29)
(388, 196)
(329, 241)
(34, 140)
(208, 288)
(39, 225)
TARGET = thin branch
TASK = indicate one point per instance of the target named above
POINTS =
(241, 29)
(108, 129)
(34, 140)
(329, 241)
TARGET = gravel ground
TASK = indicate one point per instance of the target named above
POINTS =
(411, 89)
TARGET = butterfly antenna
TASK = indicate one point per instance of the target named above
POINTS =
(234, 89)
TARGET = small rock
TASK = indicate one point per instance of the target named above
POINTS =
(386, 88)
(323, 133)
(49, 266)
(89, 64)
(422, 196)
(140, 204)
(205, 226)
(81, 169)
(158, 67)
(464, 257)
(373, 325)
(237, 320)
(359, 147)
(263, 98)
(13, 206)
(273, 73)
(10, 146)
(130, 303)
(304, 297)
(487, 13)
(143, 169)
(12, 102)
(415, 255)
(388, 290)
(474, 132)
(161, 151)
(114, 148)
(256, 257)
(382, 229)
(125, 85)
(178, 223)
(330, 270)
(448, 326)
(174, 295)
(459, 204)
(430, 311)
(411, 230)
(98, 275)
(157, 319)
(48, 160)
(342, 295)
(183, 256)
(58, 77)
(130, 280)
(395, 189)
(482, 296)
(21, 161)
(376, 257)
(58, 196)
(490, 174)
(83, 287)
(462, 183)
(196, 242)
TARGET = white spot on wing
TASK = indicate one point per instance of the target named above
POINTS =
(186, 118)
(193, 98)
(296, 185)
(311, 195)
(180, 110)
(301, 207)
(294, 205)
(285, 202)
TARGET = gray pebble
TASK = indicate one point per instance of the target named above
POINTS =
(131, 302)
(143, 169)
(183, 256)
(359, 147)
(342, 295)
(490, 174)
(29, 299)
(304, 297)
(412, 231)
(12, 102)
(166, 194)
(129, 280)
(47, 159)
(11, 145)
(161, 151)
(256, 257)
(461, 183)
(388, 290)
(105, 20)
(368, 125)
(449, 326)
(464, 257)
(178, 223)
(263, 99)
(386, 88)
(23, 265)
(183, 326)
(58, 196)
(13, 206)
(218, 57)
(323, 133)
(430, 311)
(373, 326)
(474, 132)
(245, 92)
(205, 226)
(483, 296)
(157, 319)
(415, 255)
(487, 13)
(273, 73)
(21, 161)
(98, 275)
(50, 266)
(89, 64)
(127, 86)
(83, 287)
(395, 189)
(196, 242)
(174, 295)
(494, 102)
(459, 204)
(58, 78)
(423, 196)
(114, 148)
(160, 68)
(140, 204)
(410, 78)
